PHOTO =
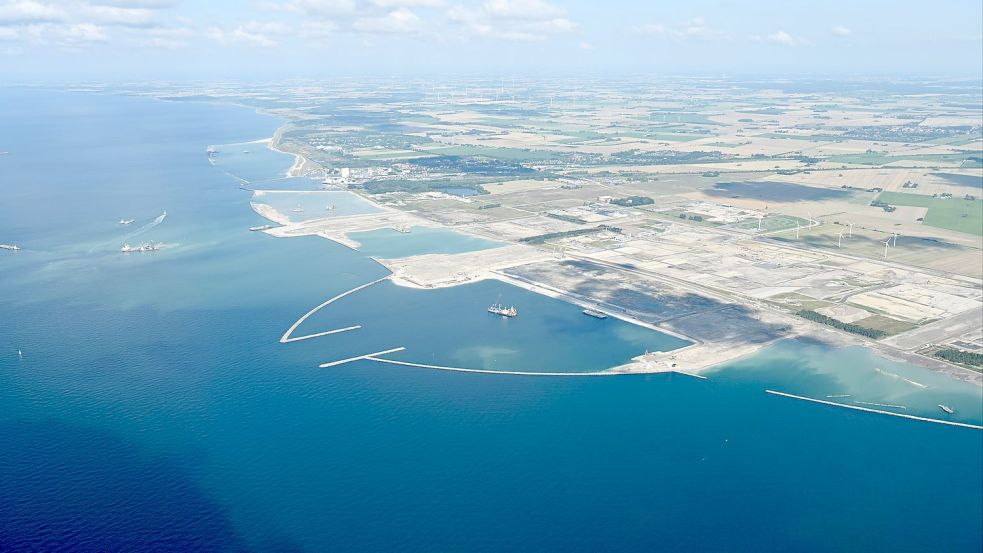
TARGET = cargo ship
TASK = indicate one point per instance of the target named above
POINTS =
(947, 409)
(261, 227)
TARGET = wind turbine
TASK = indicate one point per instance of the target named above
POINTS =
(851, 230)
(839, 241)
(759, 222)
(796, 230)
(886, 244)
(895, 239)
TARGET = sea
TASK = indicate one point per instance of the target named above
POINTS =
(146, 403)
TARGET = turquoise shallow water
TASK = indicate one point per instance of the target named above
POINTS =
(308, 205)
(856, 376)
(154, 409)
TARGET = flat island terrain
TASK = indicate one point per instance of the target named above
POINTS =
(732, 215)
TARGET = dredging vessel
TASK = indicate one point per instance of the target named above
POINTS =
(147, 247)
(595, 313)
(499, 309)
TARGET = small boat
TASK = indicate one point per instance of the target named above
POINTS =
(125, 221)
(329, 207)
(403, 230)
(297, 209)
(947, 409)
(499, 309)
(245, 151)
(262, 227)
(595, 313)
(11, 247)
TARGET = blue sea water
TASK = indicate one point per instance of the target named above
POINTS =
(154, 409)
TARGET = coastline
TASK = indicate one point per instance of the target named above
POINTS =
(699, 356)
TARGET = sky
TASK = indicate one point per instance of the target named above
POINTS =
(76, 40)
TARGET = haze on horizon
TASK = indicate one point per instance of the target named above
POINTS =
(173, 39)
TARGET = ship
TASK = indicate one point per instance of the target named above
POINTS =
(125, 221)
(947, 409)
(329, 207)
(499, 309)
(262, 227)
(403, 230)
(595, 313)
(147, 247)
(11, 247)
(297, 209)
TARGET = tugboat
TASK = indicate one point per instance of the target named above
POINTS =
(499, 309)
(947, 409)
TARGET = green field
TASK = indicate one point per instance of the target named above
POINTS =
(772, 223)
(505, 154)
(812, 137)
(953, 213)
(877, 158)
(396, 155)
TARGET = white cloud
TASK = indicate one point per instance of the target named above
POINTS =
(28, 11)
(67, 35)
(781, 37)
(169, 38)
(149, 4)
(516, 20)
(320, 8)
(127, 17)
(840, 30)
(522, 9)
(409, 3)
(694, 29)
(318, 29)
(401, 20)
(254, 33)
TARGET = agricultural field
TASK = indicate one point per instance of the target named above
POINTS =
(959, 214)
